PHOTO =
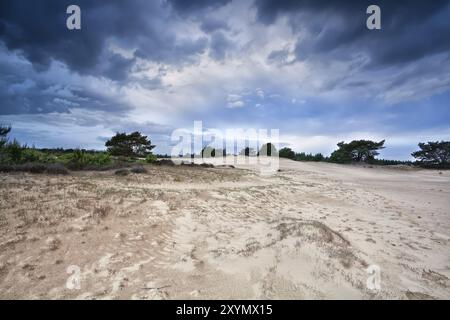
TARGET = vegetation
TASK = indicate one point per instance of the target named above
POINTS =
(287, 153)
(433, 154)
(151, 158)
(80, 159)
(356, 151)
(123, 149)
(290, 154)
(4, 131)
(310, 157)
(15, 157)
(129, 145)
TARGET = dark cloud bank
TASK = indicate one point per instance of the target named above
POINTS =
(412, 32)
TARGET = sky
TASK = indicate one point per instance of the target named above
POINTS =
(311, 69)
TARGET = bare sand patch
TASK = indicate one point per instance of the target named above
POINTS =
(310, 231)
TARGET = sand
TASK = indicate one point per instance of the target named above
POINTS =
(309, 232)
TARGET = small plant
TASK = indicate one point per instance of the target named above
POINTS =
(100, 159)
(32, 155)
(76, 160)
(14, 151)
(151, 158)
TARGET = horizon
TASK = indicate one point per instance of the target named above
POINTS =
(312, 70)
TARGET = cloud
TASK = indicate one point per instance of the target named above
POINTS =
(235, 101)
(410, 31)
(220, 44)
(210, 24)
(310, 68)
(196, 5)
(260, 93)
(38, 31)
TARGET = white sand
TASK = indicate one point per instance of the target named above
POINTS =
(310, 231)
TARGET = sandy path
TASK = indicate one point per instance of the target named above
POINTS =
(311, 231)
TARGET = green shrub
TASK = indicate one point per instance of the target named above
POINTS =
(75, 160)
(80, 159)
(287, 153)
(31, 155)
(101, 159)
(14, 152)
(151, 158)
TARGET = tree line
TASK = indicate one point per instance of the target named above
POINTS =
(431, 154)
(137, 147)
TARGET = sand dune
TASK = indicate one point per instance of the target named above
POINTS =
(308, 232)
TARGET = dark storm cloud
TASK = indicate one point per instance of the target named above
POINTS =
(211, 24)
(37, 98)
(37, 29)
(186, 6)
(23, 90)
(410, 31)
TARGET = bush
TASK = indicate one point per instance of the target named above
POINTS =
(101, 159)
(76, 160)
(32, 155)
(80, 159)
(287, 153)
(31, 168)
(151, 158)
(13, 151)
